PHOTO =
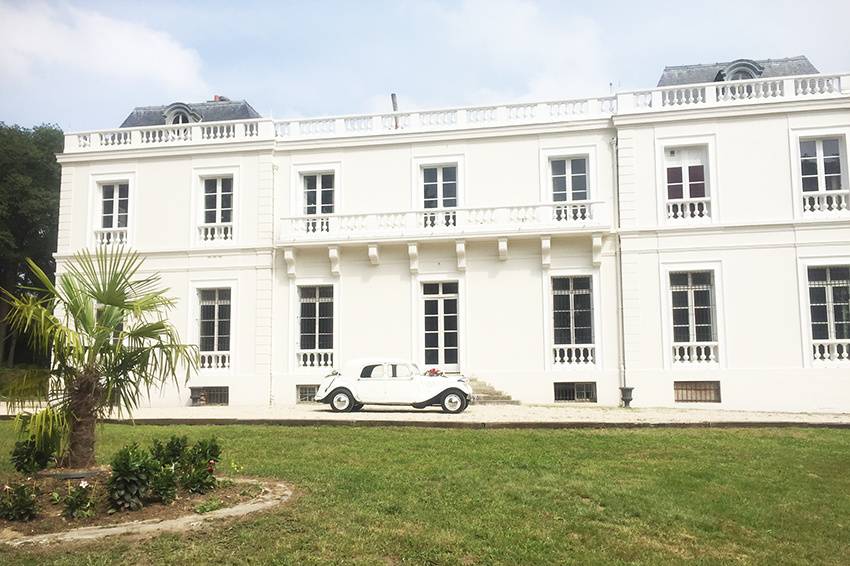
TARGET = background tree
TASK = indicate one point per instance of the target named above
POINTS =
(109, 341)
(29, 212)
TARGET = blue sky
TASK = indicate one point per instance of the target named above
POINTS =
(85, 65)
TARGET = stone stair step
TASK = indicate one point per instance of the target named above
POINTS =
(485, 394)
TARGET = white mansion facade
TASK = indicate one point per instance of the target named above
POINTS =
(689, 241)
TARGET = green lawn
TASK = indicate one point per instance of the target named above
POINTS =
(430, 496)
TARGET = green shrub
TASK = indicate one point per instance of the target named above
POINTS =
(28, 457)
(205, 450)
(18, 502)
(164, 485)
(133, 470)
(172, 452)
(79, 503)
(197, 477)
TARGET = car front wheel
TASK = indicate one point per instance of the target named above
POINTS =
(454, 402)
(341, 401)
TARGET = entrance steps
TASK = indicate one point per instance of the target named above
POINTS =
(485, 394)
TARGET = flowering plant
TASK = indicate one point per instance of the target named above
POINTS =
(433, 372)
(79, 503)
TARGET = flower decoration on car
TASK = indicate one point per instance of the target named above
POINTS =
(434, 372)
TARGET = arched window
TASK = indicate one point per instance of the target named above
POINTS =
(180, 118)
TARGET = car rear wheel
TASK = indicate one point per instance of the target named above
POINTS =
(341, 401)
(454, 402)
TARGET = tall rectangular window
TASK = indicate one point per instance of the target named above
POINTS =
(319, 193)
(317, 317)
(686, 184)
(214, 320)
(439, 190)
(441, 323)
(820, 165)
(829, 302)
(693, 306)
(218, 200)
(115, 205)
(572, 305)
(569, 179)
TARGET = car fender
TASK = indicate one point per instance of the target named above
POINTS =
(438, 398)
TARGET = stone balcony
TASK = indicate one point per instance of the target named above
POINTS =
(662, 99)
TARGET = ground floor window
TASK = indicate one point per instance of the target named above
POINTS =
(829, 305)
(572, 306)
(697, 391)
(209, 396)
(576, 391)
(694, 322)
(316, 317)
(441, 323)
(214, 327)
(306, 393)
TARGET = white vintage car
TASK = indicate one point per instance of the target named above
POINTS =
(392, 382)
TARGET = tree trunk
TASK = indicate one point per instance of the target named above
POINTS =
(13, 345)
(84, 396)
(7, 281)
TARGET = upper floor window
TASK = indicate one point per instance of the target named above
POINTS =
(694, 325)
(572, 320)
(218, 209)
(823, 175)
(114, 213)
(439, 190)
(180, 118)
(214, 328)
(569, 179)
(829, 304)
(686, 185)
(319, 193)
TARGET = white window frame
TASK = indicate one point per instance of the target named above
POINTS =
(673, 266)
(549, 322)
(199, 175)
(711, 171)
(548, 154)
(97, 181)
(194, 326)
(294, 326)
(296, 182)
(803, 265)
(417, 177)
(418, 315)
(804, 134)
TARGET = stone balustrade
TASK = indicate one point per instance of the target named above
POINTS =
(695, 353)
(314, 359)
(831, 350)
(573, 354)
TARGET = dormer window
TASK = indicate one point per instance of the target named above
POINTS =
(180, 118)
(740, 70)
(180, 113)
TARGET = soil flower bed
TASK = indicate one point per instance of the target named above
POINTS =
(49, 519)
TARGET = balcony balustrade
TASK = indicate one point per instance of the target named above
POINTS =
(314, 359)
(695, 353)
(826, 202)
(215, 233)
(831, 350)
(214, 360)
(110, 237)
(573, 354)
(449, 222)
(689, 209)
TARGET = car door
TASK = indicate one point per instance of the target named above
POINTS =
(371, 385)
(401, 385)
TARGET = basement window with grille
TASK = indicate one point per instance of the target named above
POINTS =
(583, 392)
(697, 391)
(209, 396)
(306, 393)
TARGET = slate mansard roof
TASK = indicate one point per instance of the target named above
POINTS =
(690, 74)
(210, 111)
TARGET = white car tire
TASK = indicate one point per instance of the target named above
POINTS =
(454, 402)
(341, 401)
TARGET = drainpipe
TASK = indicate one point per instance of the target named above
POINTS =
(625, 391)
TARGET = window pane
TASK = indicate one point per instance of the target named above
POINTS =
(450, 306)
(675, 192)
(559, 167)
(704, 334)
(839, 273)
(818, 313)
(226, 185)
(449, 288)
(808, 148)
(809, 166)
(830, 148)
(310, 182)
(431, 357)
(123, 190)
(697, 190)
(810, 183)
(681, 334)
(680, 298)
(678, 279)
(817, 274)
(820, 331)
(451, 355)
(431, 340)
(449, 174)
(579, 182)
(674, 175)
(431, 289)
(578, 166)
(696, 173)
(327, 181)
(430, 175)
(701, 278)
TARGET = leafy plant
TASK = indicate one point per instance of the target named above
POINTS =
(106, 331)
(133, 470)
(197, 477)
(172, 452)
(79, 503)
(28, 457)
(164, 484)
(210, 505)
(18, 502)
(205, 450)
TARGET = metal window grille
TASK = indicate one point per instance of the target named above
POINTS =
(697, 391)
(576, 391)
(214, 320)
(306, 393)
(218, 200)
(829, 302)
(572, 306)
(693, 306)
(209, 396)
(316, 317)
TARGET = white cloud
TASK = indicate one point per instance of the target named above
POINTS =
(40, 39)
(551, 57)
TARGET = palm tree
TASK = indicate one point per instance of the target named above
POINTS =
(105, 330)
